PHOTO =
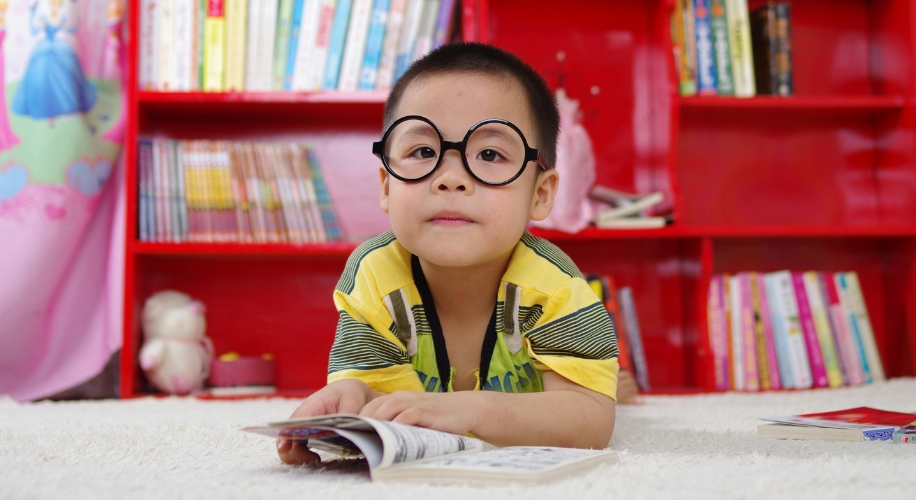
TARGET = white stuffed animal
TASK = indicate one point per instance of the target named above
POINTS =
(176, 355)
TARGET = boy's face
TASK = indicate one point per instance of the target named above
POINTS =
(449, 219)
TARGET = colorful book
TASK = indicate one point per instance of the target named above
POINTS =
(407, 38)
(336, 44)
(846, 346)
(267, 38)
(748, 333)
(185, 16)
(144, 161)
(200, 25)
(779, 325)
(427, 29)
(716, 320)
(853, 290)
(315, 70)
(374, 41)
(147, 72)
(854, 424)
(165, 32)
(252, 44)
(718, 24)
(634, 336)
(812, 343)
(384, 78)
(214, 46)
(772, 357)
(706, 59)
(236, 44)
(443, 31)
(332, 228)
(281, 43)
(783, 77)
(355, 47)
(684, 41)
(760, 335)
(819, 314)
(306, 53)
(798, 346)
(738, 372)
(292, 45)
(609, 298)
(769, 49)
(739, 43)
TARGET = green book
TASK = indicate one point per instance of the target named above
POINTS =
(281, 44)
(721, 50)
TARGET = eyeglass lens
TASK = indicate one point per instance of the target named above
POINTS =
(495, 152)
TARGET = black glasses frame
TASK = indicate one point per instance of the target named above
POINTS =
(531, 154)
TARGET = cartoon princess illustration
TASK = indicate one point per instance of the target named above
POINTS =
(54, 83)
(7, 138)
(116, 49)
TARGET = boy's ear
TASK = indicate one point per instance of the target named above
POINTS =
(545, 190)
(383, 196)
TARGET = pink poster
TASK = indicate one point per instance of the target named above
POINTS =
(61, 198)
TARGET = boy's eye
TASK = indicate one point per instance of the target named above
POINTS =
(424, 152)
(489, 155)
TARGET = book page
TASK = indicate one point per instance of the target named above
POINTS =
(516, 459)
(406, 443)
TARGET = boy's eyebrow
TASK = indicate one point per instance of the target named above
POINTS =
(498, 132)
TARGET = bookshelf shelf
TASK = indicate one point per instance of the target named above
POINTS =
(824, 180)
(861, 105)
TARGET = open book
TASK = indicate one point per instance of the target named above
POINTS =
(397, 452)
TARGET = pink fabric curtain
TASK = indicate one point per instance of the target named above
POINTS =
(61, 192)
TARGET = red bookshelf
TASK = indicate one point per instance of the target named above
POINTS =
(823, 180)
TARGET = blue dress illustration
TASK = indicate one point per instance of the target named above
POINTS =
(53, 83)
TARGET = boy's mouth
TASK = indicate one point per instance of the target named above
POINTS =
(449, 218)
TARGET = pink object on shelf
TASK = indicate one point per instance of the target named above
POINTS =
(242, 371)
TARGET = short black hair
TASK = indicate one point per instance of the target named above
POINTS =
(473, 57)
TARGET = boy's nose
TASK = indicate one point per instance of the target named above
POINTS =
(452, 175)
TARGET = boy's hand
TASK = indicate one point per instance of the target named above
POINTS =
(343, 396)
(453, 412)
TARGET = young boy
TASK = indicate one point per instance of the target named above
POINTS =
(458, 319)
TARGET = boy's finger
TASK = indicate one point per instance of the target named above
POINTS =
(296, 454)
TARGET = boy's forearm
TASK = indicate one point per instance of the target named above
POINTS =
(553, 418)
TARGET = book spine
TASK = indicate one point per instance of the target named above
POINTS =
(718, 330)
(190, 192)
(148, 41)
(214, 47)
(200, 25)
(251, 46)
(267, 34)
(763, 43)
(182, 191)
(252, 188)
(443, 31)
(739, 374)
(624, 359)
(308, 30)
(291, 184)
(857, 302)
(625, 297)
(760, 334)
(174, 193)
(313, 213)
(847, 346)
(385, 76)
(166, 173)
(336, 44)
(780, 331)
(314, 77)
(236, 44)
(815, 357)
(426, 30)
(706, 59)
(281, 43)
(836, 335)
(355, 46)
(183, 45)
(822, 328)
(772, 359)
(748, 334)
(165, 31)
(718, 23)
(408, 36)
(292, 45)
(374, 40)
(144, 157)
(739, 43)
(683, 38)
(801, 365)
(782, 77)
(328, 216)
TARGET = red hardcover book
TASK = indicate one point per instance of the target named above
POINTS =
(613, 308)
(854, 424)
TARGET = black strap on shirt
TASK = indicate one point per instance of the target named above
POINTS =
(442, 362)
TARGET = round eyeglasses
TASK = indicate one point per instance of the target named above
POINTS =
(494, 151)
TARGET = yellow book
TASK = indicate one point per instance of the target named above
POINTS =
(236, 41)
(214, 47)
(819, 313)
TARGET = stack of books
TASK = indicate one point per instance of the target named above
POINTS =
(628, 210)
(790, 330)
(286, 45)
(223, 191)
(621, 307)
(721, 49)
(853, 425)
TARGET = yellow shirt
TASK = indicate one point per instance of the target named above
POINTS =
(546, 317)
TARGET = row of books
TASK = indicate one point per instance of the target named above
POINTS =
(721, 49)
(621, 307)
(223, 191)
(790, 330)
(286, 45)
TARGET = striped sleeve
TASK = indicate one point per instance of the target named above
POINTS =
(366, 349)
(574, 337)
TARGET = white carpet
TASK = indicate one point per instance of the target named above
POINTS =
(670, 447)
